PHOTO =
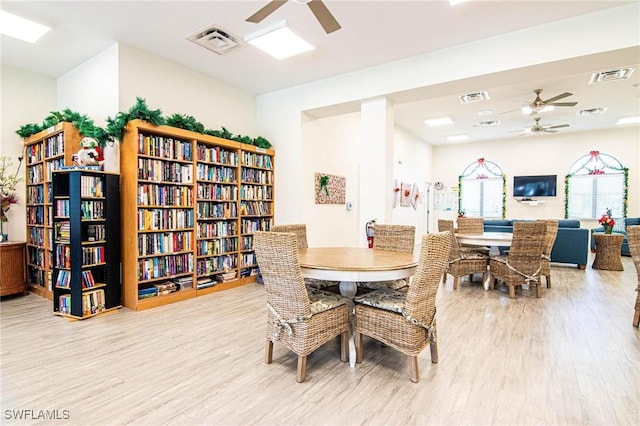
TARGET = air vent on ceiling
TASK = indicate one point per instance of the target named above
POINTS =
(592, 111)
(488, 123)
(216, 40)
(474, 97)
(611, 75)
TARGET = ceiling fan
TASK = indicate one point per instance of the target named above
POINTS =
(538, 104)
(539, 128)
(318, 8)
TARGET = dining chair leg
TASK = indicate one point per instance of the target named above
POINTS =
(434, 352)
(444, 277)
(414, 374)
(358, 341)
(344, 346)
(512, 291)
(268, 352)
(455, 283)
(636, 319)
(492, 281)
(547, 279)
(302, 368)
(538, 290)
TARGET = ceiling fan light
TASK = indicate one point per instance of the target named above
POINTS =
(279, 41)
(527, 110)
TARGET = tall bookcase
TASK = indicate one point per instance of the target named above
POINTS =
(45, 152)
(86, 242)
(190, 204)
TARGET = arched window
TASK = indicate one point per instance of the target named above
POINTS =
(482, 190)
(595, 183)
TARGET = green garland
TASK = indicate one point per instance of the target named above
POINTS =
(117, 125)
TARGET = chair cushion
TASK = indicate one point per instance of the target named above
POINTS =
(316, 284)
(474, 255)
(392, 284)
(383, 298)
(501, 258)
(321, 301)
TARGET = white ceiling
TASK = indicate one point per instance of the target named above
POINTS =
(373, 33)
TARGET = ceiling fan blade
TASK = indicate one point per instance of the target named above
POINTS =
(557, 98)
(512, 110)
(323, 16)
(559, 126)
(564, 104)
(549, 131)
(266, 11)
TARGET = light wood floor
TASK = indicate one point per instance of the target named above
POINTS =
(570, 358)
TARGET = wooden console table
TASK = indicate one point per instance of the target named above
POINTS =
(12, 268)
(608, 251)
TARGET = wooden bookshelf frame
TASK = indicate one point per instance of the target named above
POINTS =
(131, 207)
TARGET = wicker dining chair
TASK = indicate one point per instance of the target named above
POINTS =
(549, 239)
(633, 236)
(471, 225)
(300, 229)
(299, 320)
(395, 238)
(406, 320)
(462, 262)
(523, 264)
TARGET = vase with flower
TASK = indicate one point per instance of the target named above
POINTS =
(607, 221)
(8, 195)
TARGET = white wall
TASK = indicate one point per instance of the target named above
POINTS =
(25, 98)
(175, 89)
(543, 155)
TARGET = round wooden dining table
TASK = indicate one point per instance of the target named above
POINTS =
(353, 264)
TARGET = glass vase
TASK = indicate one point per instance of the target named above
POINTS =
(608, 229)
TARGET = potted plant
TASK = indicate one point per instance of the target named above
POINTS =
(607, 221)
(8, 195)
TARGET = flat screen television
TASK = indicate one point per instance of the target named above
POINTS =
(534, 186)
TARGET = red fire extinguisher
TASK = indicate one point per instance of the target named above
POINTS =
(369, 231)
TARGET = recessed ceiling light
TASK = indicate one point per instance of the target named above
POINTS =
(488, 123)
(458, 138)
(629, 120)
(528, 110)
(279, 41)
(485, 112)
(441, 121)
(456, 2)
(611, 75)
(592, 111)
(21, 28)
(474, 97)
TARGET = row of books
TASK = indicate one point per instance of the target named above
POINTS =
(257, 176)
(165, 287)
(256, 160)
(255, 208)
(164, 171)
(217, 191)
(92, 303)
(163, 266)
(158, 219)
(164, 195)
(216, 229)
(63, 280)
(249, 226)
(216, 264)
(165, 242)
(256, 192)
(91, 186)
(217, 246)
(217, 155)
(92, 209)
(164, 147)
(209, 209)
(93, 255)
(248, 259)
(211, 173)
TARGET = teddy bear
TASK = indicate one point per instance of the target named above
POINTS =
(90, 153)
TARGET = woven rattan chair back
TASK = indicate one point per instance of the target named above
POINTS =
(525, 254)
(300, 229)
(549, 239)
(394, 237)
(470, 225)
(420, 303)
(633, 237)
(447, 226)
(277, 256)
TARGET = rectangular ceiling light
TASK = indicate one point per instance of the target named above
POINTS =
(629, 120)
(441, 121)
(21, 28)
(458, 138)
(279, 42)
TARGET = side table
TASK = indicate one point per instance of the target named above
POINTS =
(608, 251)
(12, 268)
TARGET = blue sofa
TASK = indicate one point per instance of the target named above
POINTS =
(572, 242)
(625, 243)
